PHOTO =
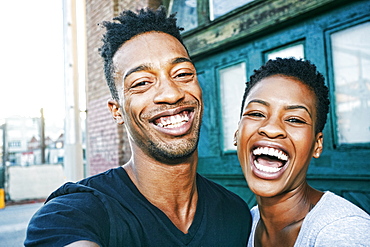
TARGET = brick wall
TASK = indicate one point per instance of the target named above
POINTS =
(107, 142)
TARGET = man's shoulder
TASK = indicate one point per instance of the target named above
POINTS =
(98, 185)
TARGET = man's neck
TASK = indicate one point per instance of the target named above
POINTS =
(171, 188)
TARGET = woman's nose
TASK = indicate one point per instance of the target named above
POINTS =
(272, 128)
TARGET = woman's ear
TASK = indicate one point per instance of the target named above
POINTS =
(116, 111)
(318, 145)
(236, 138)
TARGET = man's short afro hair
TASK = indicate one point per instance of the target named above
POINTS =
(127, 25)
(302, 70)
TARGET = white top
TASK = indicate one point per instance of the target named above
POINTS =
(333, 221)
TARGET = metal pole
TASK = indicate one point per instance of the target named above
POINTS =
(4, 145)
(4, 158)
(42, 136)
(73, 160)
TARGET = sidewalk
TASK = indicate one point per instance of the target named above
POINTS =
(27, 201)
(14, 219)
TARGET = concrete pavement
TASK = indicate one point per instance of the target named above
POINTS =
(13, 223)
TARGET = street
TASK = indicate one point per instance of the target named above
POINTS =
(13, 223)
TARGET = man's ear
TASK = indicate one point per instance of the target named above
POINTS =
(116, 111)
(318, 145)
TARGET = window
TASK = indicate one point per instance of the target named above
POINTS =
(186, 13)
(14, 144)
(187, 10)
(232, 85)
(296, 50)
(351, 63)
(218, 8)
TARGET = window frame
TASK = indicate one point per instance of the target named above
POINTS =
(285, 46)
(219, 95)
(332, 116)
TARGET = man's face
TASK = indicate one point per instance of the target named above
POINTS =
(276, 137)
(160, 96)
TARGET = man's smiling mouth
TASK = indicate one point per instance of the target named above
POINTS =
(269, 160)
(173, 121)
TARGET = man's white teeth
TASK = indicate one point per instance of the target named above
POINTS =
(271, 152)
(173, 121)
(266, 168)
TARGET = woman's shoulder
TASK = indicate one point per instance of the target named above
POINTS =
(338, 207)
(334, 220)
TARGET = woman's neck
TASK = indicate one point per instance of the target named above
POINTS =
(282, 216)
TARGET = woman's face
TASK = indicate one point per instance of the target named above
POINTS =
(276, 137)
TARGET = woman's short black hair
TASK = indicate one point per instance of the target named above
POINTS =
(302, 70)
(127, 25)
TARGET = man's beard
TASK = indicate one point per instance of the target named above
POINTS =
(173, 153)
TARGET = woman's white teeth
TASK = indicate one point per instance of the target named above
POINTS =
(271, 152)
(266, 168)
(173, 121)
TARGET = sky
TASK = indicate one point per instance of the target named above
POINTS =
(31, 60)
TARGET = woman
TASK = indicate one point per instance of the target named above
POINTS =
(284, 111)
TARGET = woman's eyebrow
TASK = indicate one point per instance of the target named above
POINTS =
(293, 107)
(289, 107)
(259, 101)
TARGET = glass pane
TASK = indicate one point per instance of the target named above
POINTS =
(186, 13)
(218, 8)
(232, 80)
(351, 65)
(296, 51)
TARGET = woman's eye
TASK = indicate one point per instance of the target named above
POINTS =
(296, 120)
(255, 114)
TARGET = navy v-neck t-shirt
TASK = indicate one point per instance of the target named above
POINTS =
(109, 210)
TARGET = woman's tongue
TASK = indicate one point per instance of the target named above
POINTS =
(269, 161)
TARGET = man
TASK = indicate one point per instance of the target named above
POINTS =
(157, 198)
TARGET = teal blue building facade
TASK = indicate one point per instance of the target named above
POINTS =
(334, 35)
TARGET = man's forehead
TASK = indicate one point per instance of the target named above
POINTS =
(154, 41)
(149, 50)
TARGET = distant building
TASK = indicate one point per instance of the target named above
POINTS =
(23, 146)
(19, 131)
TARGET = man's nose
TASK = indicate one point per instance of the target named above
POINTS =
(273, 128)
(168, 91)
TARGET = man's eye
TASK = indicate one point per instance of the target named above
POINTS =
(184, 74)
(141, 83)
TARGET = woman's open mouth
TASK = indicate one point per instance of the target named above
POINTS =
(269, 161)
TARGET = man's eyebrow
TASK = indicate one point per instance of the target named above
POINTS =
(181, 60)
(137, 69)
(292, 107)
(149, 67)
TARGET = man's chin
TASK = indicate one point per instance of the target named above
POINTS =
(173, 154)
